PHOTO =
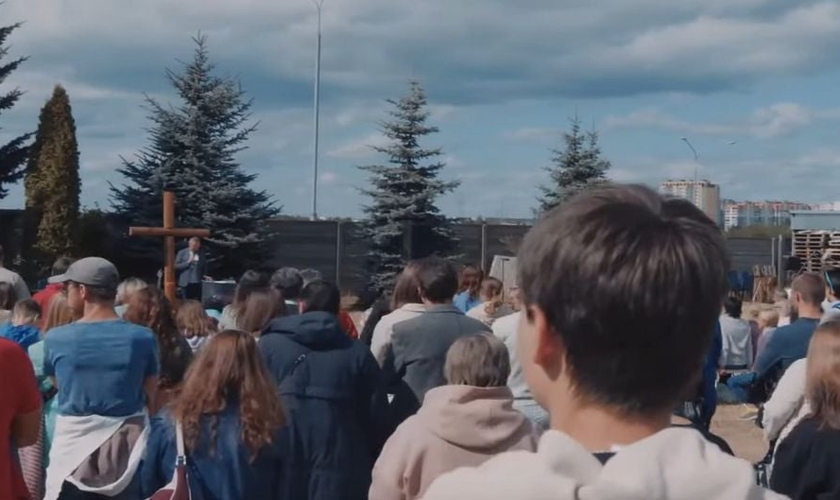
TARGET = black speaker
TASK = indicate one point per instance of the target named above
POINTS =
(793, 263)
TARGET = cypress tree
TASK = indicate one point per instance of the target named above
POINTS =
(403, 220)
(13, 154)
(52, 178)
(575, 167)
(192, 152)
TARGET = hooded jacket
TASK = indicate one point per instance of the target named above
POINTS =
(330, 388)
(457, 426)
(24, 335)
(674, 464)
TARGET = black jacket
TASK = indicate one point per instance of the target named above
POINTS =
(330, 388)
(807, 463)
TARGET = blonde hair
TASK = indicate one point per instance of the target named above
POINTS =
(822, 387)
(477, 360)
(492, 293)
(768, 318)
(59, 313)
(129, 287)
(192, 319)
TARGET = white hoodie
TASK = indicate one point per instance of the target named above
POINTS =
(675, 464)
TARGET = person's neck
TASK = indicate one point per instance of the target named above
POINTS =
(600, 429)
(810, 312)
(98, 312)
(429, 303)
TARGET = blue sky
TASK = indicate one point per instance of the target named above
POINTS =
(502, 79)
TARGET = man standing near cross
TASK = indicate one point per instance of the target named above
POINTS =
(191, 266)
(169, 232)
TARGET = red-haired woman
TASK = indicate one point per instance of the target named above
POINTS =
(150, 308)
(232, 421)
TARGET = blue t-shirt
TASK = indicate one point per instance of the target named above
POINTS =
(100, 367)
(788, 343)
(465, 303)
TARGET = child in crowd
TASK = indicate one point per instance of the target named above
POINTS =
(23, 328)
(194, 324)
(461, 424)
(609, 355)
(469, 284)
(493, 304)
(768, 321)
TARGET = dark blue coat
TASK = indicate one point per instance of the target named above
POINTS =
(331, 390)
(225, 473)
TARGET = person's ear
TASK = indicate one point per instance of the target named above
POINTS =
(549, 352)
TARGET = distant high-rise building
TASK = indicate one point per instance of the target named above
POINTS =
(704, 195)
(759, 213)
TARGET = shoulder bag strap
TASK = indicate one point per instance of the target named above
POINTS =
(181, 458)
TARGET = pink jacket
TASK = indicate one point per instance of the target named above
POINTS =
(457, 426)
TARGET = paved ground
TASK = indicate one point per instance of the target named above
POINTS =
(745, 438)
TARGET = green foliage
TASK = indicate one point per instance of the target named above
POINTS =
(52, 179)
(575, 167)
(192, 152)
(403, 194)
(13, 154)
(759, 231)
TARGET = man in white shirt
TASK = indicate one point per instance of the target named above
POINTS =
(14, 279)
(191, 267)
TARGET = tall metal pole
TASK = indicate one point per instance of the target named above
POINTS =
(317, 113)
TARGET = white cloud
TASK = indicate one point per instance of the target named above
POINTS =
(329, 177)
(770, 122)
(360, 148)
(533, 134)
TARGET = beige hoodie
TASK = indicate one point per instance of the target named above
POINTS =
(675, 464)
(457, 426)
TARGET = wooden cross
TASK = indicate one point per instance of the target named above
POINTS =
(169, 232)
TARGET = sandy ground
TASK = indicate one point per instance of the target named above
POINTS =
(745, 438)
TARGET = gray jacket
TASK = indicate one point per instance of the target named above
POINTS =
(418, 348)
(190, 272)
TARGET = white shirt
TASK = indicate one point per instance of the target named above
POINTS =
(507, 330)
(737, 343)
(384, 330)
(14, 279)
(787, 406)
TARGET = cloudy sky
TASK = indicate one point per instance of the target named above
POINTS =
(502, 76)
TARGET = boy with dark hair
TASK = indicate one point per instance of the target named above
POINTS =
(415, 359)
(289, 282)
(621, 290)
(320, 296)
(329, 385)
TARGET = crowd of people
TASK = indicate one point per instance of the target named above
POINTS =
(595, 378)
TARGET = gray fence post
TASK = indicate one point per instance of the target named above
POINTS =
(339, 241)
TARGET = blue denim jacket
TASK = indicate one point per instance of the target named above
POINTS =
(223, 473)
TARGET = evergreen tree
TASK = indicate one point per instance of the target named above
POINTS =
(14, 153)
(52, 178)
(403, 220)
(576, 167)
(191, 152)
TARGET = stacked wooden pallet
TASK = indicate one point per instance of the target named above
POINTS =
(831, 255)
(810, 246)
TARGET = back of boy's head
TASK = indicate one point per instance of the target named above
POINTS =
(321, 296)
(438, 280)
(632, 283)
(734, 307)
(26, 311)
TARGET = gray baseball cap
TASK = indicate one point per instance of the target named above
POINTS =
(90, 271)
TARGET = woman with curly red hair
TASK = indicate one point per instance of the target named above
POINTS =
(232, 423)
(150, 308)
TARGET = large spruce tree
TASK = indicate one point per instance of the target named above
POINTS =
(575, 167)
(13, 154)
(403, 220)
(192, 152)
(52, 179)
